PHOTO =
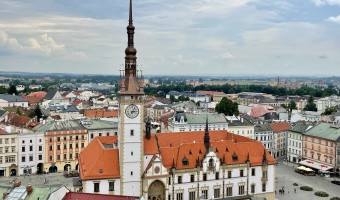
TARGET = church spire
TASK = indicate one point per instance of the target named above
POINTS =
(130, 51)
(130, 85)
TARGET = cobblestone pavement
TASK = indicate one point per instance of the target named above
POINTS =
(52, 179)
(286, 176)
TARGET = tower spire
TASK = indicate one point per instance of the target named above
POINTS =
(130, 83)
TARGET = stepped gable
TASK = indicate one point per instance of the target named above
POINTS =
(100, 159)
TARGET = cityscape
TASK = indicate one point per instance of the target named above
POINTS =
(236, 100)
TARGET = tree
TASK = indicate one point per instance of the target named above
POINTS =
(329, 111)
(227, 107)
(310, 106)
(36, 112)
(3, 90)
(12, 90)
(291, 106)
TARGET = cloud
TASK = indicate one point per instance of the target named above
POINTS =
(226, 55)
(45, 45)
(335, 19)
(326, 2)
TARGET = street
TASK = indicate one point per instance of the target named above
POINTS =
(286, 176)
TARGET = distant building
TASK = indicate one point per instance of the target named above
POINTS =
(327, 102)
(8, 100)
(182, 121)
(240, 126)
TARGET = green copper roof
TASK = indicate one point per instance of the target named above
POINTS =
(299, 128)
(325, 130)
(93, 124)
(201, 118)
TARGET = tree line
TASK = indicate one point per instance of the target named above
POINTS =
(162, 90)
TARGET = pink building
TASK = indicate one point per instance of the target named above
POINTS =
(319, 147)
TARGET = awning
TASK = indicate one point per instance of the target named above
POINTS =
(315, 165)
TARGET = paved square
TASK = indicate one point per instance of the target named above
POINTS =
(286, 176)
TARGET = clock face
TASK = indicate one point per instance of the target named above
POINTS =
(132, 111)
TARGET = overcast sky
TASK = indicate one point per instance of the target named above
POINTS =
(263, 37)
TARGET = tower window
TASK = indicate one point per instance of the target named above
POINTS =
(131, 153)
(131, 173)
(131, 132)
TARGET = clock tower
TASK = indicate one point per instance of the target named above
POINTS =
(131, 110)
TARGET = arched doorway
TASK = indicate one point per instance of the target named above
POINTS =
(53, 169)
(40, 168)
(67, 167)
(13, 172)
(77, 167)
(156, 191)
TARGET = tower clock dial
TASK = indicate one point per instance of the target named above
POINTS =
(132, 111)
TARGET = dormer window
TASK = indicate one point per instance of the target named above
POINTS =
(185, 161)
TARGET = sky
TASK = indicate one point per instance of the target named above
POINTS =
(198, 37)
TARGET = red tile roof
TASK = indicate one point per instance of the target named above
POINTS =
(97, 161)
(33, 99)
(280, 126)
(41, 94)
(89, 196)
(176, 146)
(17, 120)
(100, 113)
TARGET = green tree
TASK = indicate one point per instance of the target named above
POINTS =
(227, 107)
(3, 90)
(183, 98)
(12, 90)
(291, 106)
(310, 106)
(18, 111)
(329, 111)
(36, 112)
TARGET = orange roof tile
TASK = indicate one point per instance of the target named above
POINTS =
(2, 131)
(17, 120)
(40, 94)
(280, 126)
(100, 160)
(150, 146)
(33, 99)
(189, 145)
(100, 113)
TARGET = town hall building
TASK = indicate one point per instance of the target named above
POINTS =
(194, 165)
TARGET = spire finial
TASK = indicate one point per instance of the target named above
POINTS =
(130, 14)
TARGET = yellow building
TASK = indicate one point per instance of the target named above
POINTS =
(8, 153)
(64, 140)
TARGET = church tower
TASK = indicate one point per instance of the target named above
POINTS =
(130, 97)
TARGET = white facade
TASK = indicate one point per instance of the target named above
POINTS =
(280, 144)
(106, 186)
(294, 147)
(4, 103)
(31, 150)
(266, 136)
(8, 154)
(305, 116)
(180, 124)
(130, 144)
(327, 102)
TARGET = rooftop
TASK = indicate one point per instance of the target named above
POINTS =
(12, 98)
(325, 130)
